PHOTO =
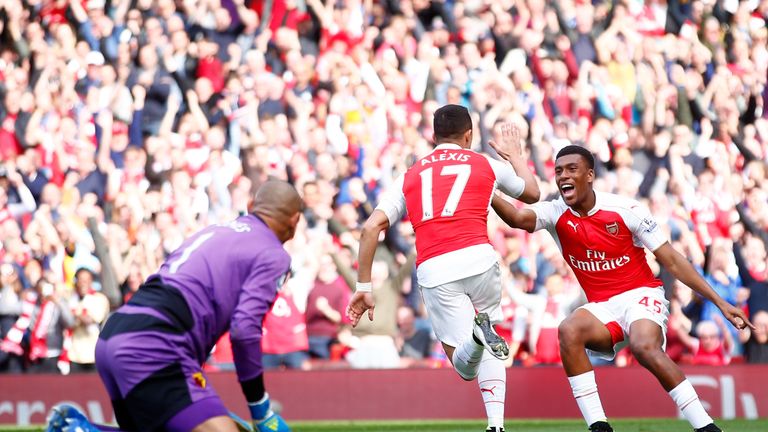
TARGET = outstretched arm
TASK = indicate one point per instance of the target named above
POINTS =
(362, 300)
(390, 209)
(516, 218)
(684, 271)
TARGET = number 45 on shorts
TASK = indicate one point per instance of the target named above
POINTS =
(652, 305)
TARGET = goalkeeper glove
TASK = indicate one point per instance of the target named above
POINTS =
(264, 419)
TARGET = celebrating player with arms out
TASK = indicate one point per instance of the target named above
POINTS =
(601, 237)
(447, 196)
(150, 352)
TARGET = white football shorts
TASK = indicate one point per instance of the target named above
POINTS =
(628, 307)
(452, 306)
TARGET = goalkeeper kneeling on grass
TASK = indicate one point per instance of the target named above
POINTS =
(150, 352)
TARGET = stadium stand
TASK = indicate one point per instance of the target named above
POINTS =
(126, 125)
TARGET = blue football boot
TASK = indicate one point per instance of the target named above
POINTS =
(67, 418)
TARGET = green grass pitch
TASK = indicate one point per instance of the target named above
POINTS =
(639, 425)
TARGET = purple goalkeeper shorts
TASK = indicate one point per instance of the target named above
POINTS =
(151, 374)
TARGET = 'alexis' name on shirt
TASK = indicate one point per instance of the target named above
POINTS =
(597, 262)
(445, 156)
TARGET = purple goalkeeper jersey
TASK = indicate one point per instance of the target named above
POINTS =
(229, 275)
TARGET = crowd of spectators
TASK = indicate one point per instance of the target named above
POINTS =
(127, 125)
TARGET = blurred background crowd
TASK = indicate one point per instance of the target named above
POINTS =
(127, 125)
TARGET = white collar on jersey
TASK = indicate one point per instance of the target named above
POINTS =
(598, 204)
(448, 146)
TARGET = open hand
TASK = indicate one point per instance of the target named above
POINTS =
(358, 304)
(511, 145)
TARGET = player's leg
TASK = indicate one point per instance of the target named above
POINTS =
(647, 345)
(153, 378)
(178, 399)
(69, 417)
(492, 380)
(202, 416)
(485, 292)
(646, 341)
(580, 331)
(471, 360)
(216, 424)
(647, 312)
(451, 313)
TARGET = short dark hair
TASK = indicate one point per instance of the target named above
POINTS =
(451, 121)
(82, 270)
(579, 150)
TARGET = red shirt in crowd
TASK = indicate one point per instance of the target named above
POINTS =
(548, 346)
(713, 357)
(337, 294)
(9, 145)
(712, 219)
(284, 328)
(212, 68)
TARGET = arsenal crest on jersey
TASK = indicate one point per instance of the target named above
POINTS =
(612, 228)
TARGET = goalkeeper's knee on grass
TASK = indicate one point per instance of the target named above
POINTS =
(264, 419)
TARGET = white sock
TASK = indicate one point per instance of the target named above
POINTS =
(492, 379)
(466, 358)
(688, 402)
(584, 390)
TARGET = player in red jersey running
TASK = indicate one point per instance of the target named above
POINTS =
(601, 237)
(447, 195)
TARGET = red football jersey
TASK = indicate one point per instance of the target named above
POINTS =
(605, 248)
(446, 190)
(447, 195)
